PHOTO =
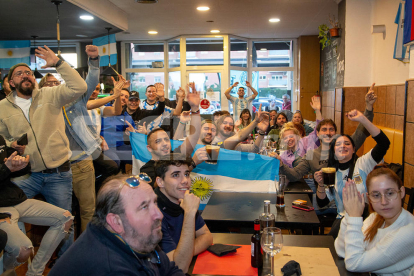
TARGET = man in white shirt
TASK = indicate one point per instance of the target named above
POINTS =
(240, 103)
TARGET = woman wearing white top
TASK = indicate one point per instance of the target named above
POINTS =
(384, 242)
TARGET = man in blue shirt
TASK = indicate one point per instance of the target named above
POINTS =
(184, 232)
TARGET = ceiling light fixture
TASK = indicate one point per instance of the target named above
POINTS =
(263, 49)
(203, 8)
(274, 20)
(36, 73)
(86, 17)
(214, 31)
(57, 3)
(152, 32)
(146, 1)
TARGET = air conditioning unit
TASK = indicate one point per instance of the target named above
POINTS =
(147, 1)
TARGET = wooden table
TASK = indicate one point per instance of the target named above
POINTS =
(299, 187)
(288, 240)
(226, 210)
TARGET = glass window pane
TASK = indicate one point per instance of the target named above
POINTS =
(240, 77)
(174, 82)
(143, 55)
(238, 52)
(140, 81)
(204, 51)
(272, 54)
(174, 53)
(272, 85)
(209, 84)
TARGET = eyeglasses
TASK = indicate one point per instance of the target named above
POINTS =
(52, 83)
(389, 195)
(20, 73)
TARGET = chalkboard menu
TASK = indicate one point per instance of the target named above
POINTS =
(332, 66)
(333, 57)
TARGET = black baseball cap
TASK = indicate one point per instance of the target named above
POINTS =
(134, 95)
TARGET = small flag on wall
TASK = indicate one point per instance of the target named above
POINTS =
(13, 52)
(102, 43)
(401, 52)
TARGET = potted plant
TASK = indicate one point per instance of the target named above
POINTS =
(334, 31)
(323, 35)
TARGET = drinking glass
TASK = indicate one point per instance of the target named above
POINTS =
(272, 243)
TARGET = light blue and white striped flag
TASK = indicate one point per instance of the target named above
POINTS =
(13, 52)
(102, 43)
(235, 171)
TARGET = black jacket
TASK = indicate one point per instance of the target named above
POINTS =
(10, 194)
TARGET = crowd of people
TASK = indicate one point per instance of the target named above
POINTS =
(60, 140)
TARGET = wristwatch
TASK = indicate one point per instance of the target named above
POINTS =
(195, 112)
(261, 133)
(58, 63)
(95, 58)
(193, 164)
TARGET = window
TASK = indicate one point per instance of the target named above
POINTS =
(238, 52)
(142, 55)
(271, 92)
(240, 77)
(174, 53)
(272, 54)
(209, 84)
(140, 81)
(204, 51)
(174, 80)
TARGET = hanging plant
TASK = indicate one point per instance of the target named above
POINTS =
(323, 35)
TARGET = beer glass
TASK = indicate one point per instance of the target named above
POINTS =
(213, 153)
(280, 191)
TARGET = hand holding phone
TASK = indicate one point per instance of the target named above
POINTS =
(22, 141)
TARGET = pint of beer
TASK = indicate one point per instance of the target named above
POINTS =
(328, 175)
(213, 153)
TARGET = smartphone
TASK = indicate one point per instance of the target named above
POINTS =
(303, 207)
(22, 141)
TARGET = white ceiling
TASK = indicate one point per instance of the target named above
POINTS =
(246, 18)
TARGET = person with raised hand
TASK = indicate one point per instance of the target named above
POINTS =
(239, 103)
(383, 243)
(342, 157)
(37, 112)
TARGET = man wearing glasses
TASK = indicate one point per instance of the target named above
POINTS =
(38, 113)
(123, 236)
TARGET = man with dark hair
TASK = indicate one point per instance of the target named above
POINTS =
(38, 113)
(123, 236)
(159, 144)
(208, 132)
(240, 102)
(184, 232)
(6, 88)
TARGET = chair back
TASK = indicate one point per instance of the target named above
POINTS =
(409, 199)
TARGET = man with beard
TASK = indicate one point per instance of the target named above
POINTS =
(225, 125)
(207, 133)
(159, 144)
(6, 88)
(123, 236)
(184, 232)
(316, 159)
(240, 102)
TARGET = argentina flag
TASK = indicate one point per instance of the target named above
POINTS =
(13, 52)
(235, 171)
(401, 52)
(102, 43)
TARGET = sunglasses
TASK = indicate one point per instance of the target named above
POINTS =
(133, 181)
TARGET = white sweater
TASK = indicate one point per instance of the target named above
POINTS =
(391, 252)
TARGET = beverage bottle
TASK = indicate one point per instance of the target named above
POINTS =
(256, 258)
(267, 219)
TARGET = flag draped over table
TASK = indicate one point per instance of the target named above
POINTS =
(13, 52)
(401, 52)
(102, 43)
(236, 171)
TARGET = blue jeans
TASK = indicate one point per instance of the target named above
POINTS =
(57, 189)
(39, 213)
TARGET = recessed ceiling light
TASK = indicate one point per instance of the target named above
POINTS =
(274, 20)
(86, 17)
(152, 32)
(263, 49)
(214, 31)
(81, 35)
(203, 8)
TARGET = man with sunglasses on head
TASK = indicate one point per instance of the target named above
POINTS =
(38, 113)
(184, 232)
(123, 236)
